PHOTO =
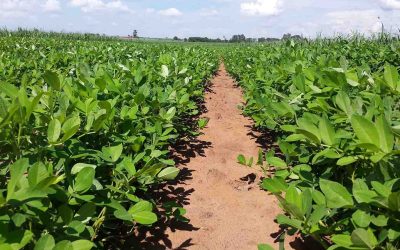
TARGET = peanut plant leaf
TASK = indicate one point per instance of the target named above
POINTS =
(54, 130)
(82, 245)
(46, 242)
(327, 131)
(79, 166)
(241, 159)
(342, 240)
(317, 215)
(308, 129)
(391, 76)
(343, 102)
(361, 218)
(9, 89)
(37, 173)
(318, 198)
(168, 173)
(145, 217)
(122, 214)
(381, 189)
(336, 195)
(283, 219)
(112, 154)
(63, 245)
(274, 185)
(84, 179)
(202, 123)
(17, 170)
(170, 113)
(140, 207)
(361, 192)
(52, 79)
(264, 247)
(386, 136)
(70, 127)
(365, 130)
(363, 238)
(346, 160)
(276, 162)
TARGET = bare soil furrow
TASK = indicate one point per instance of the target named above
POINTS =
(226, 208)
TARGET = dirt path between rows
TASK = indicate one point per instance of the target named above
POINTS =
(225, 206)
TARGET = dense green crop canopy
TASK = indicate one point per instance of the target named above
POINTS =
(85, 129)
(334, 108)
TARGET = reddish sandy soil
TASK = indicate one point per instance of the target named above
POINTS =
(228, 212)
(226, 208)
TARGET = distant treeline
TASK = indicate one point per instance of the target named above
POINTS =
(240, 38)
(91, 36)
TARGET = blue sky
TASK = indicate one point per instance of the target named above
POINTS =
(212, 18)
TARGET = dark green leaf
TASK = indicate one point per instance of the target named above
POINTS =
(52, 79)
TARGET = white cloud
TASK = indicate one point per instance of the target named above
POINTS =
(170, 12)
(390, 4)
(16, 8)
(51, 6)
(261, 7)
(209, 12)
(364, 21)
(95, 5)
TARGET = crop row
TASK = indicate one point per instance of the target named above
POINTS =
(334, 108)
(85, 130)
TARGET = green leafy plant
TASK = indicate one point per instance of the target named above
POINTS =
(335, 113)
(85, 129)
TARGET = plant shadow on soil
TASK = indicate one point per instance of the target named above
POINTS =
(264, 139)
(297, 242)
(156, 237)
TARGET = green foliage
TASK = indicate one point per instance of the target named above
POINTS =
(334, 106)
(85, 130)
